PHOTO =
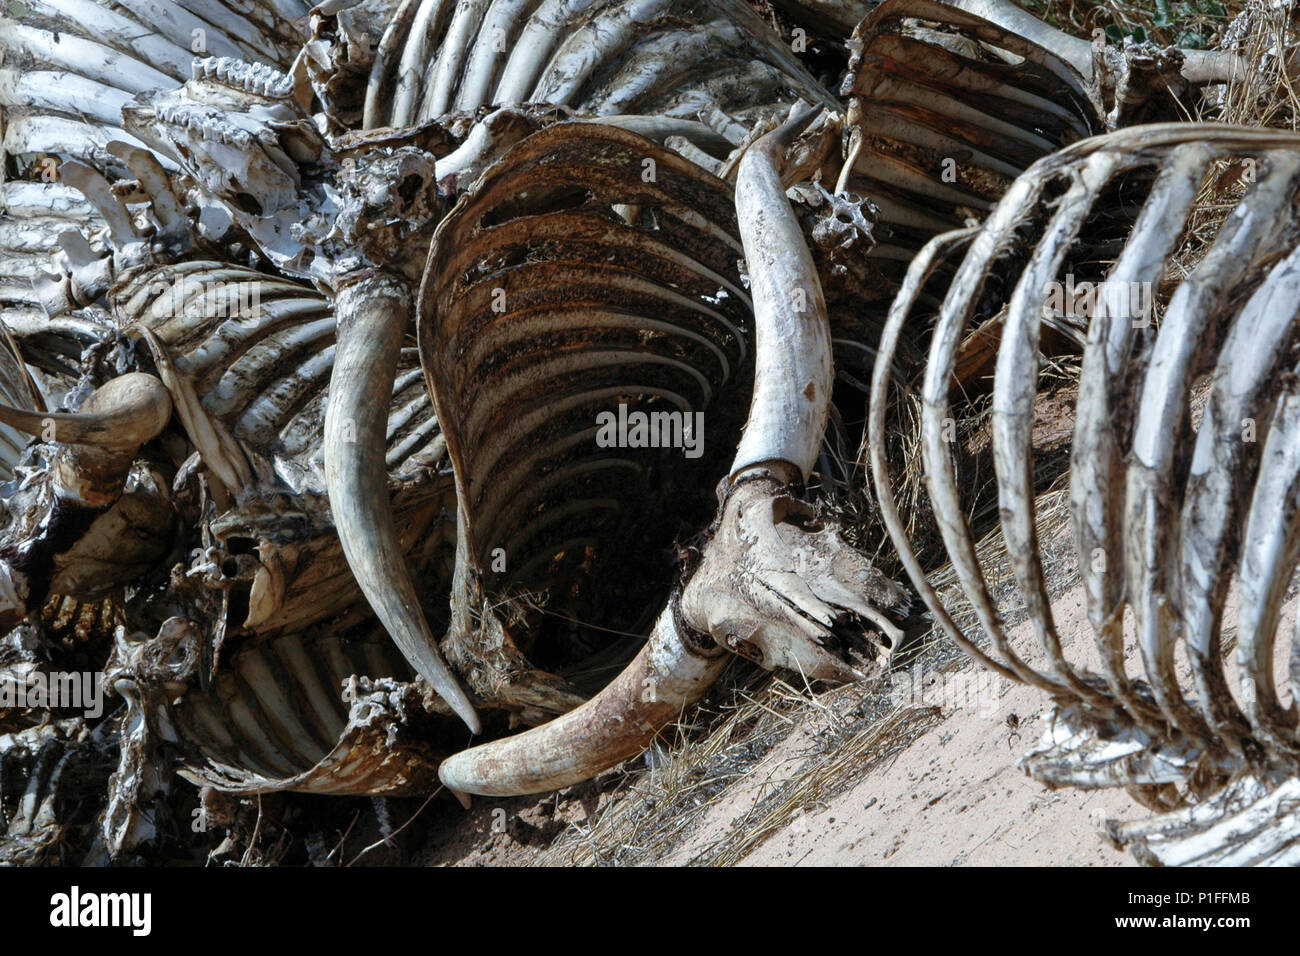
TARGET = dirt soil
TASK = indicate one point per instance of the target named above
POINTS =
(916, 769)
(952, 795)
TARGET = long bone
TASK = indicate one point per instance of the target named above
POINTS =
(1221, 470)
(373, 316)
(1096, 501)
(1199, 66)
(749, 593)
(1160, 511)
(68, 101)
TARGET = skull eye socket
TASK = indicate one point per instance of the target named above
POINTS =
(409, 186)
(248, 203)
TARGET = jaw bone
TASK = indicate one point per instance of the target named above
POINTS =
(1153, 502)
(85, 60)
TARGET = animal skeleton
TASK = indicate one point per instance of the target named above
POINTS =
(1165, 515)
(467, 229)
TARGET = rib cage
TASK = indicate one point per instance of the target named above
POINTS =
(260, 352)
(36, 812)
(946, 110)
(1164, 515)
(263, 373)
(714, 60)
(275, 719)
(71, 67)
(651, 313)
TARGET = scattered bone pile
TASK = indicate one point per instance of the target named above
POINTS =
(311, 316)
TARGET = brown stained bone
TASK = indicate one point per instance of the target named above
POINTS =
(941, 123)
(651, 314)
(244, 734)
(781, 591)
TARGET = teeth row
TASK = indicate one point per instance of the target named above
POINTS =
(209, 126)
(258, 78)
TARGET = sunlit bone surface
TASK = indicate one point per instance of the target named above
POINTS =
(247, 235)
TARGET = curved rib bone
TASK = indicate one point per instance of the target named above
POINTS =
(598, 59)
(1165, 512)
(767, 586)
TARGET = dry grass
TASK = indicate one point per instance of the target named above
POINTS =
(842, 735)
(1270, 43)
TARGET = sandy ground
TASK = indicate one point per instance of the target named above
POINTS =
(952, 796)
(939, 787)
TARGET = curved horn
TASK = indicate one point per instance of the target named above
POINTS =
(793, 374)
(101, 439)
(373, 315)
(782, 433)
(670, 672)
(124, 413)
